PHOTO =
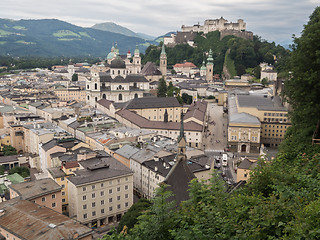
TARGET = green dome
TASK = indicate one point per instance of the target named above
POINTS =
(111, 55)
(203, 67)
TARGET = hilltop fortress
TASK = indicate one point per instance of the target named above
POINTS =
(214, 25)
(222, 25)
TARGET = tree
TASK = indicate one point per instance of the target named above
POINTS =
(23, 171)
(9, 150)
(186, 98)
(131, 217)
(74, 77)
(162, 88)
(302, 90)
(264, 81)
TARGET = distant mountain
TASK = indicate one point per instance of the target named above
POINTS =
(52, 37)
(115, 28)
(145, 36)
(112, 27)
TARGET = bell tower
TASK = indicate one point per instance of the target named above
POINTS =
(163, 61)
(209, 70)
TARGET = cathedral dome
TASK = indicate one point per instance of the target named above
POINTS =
(118, 63)
(111, 55)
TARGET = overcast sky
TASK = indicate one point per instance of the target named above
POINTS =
(273, 20)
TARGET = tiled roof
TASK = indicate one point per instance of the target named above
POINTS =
(37, 188)
(28, 220)
(153, 102)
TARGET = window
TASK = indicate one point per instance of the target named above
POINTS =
(53, 204)
(84, 197)
(126, 187)
(126, 204)
(110, 182)
(63, 200)
(93, 204)
(118, 206)
(62, 186)
(101, 184)
(118, 180)
(110, 199)
(110, 209)
(102, 193)
(102, 202)
(63, 193)
(84, 189)
(93, 186)
(102, 210)
(118, 198)
(118, 189)
(120, 97)
(93, 195)
(126, 195)
(85, 216)
(53, 196)
(110, 191)
(84, 206)
(93, 213)
(96, 86)
(43, 199)
(127, 179)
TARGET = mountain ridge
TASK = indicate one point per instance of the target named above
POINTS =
(54, 37)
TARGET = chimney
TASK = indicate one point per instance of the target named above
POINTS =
(155, 169)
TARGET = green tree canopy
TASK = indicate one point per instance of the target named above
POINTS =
(74, 77)
(162, 88)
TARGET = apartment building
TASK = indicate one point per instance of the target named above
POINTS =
(21, 219)
(101, 192)
(44, 192)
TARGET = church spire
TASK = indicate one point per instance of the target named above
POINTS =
(163, 50)
(181, 129)
(182, 142)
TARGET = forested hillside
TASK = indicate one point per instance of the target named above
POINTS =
(52, 37)
(246, 54)
(281, 200)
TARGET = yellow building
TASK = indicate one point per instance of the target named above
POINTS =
(268, 109)
(245, 168)
(70, 93)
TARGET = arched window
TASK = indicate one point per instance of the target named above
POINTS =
(88, 98)
(96, 86)
(87, 86)
(119, 72)
(120, 97)
(136, 95)
(104, 96)
(96, 99)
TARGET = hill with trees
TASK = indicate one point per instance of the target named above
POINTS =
(244, 54)
(281, 199)
(52, 37)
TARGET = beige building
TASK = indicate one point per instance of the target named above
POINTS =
(245, 168)
(269, 110)
(21, 220)
(44, 192)
(71, 93)
(101, 192)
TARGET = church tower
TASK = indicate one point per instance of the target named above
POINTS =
(136, 61)
(203, 69)
(182, 142)
(163, 61)
(209, 71)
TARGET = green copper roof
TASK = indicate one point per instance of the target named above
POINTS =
(210, 59)
(203, 67)
(15, 178)
(136, 51)
(163, 50)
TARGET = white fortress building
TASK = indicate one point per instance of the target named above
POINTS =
(214, 25)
